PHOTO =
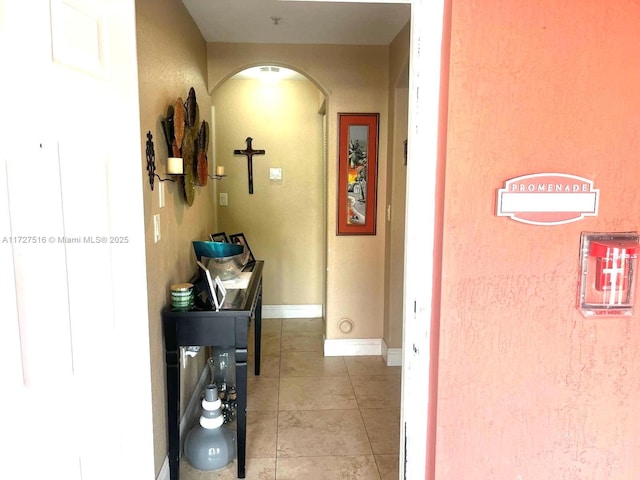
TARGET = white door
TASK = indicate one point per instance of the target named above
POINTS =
(72, 243)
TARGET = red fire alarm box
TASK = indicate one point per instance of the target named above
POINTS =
(608, 269)
(613, 259)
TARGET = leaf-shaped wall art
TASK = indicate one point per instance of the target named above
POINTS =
(188, 156)
(178, 126)
(167, 127)
(191, 106)
(202, 162)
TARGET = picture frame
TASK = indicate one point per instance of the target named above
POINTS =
(357, 173)
(222, 291)
(239, 239)
(215, 290)
(219, 237)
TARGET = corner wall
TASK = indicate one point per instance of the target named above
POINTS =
(396, 187)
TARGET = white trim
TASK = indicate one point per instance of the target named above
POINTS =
(189, 413)
(352, 347)
(392, 356)
(292, 311)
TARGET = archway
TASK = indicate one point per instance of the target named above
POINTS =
(284, 219)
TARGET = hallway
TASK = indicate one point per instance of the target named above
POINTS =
(315, 417)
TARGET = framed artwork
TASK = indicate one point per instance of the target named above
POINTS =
(238, 239)
(357, 173)
(219, 237)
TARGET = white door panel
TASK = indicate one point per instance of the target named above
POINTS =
(69, 182)
(88, 252)
(11, 374)
(44, 400)
(39, 261)
(88, 255)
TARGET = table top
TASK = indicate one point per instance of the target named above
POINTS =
(236, 301)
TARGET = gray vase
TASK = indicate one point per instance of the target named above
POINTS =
(209, 445)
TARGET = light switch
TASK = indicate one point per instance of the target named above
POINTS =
(156, 228)
(160, 194)
(224, 201)
(275, 173)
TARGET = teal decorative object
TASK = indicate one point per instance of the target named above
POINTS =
(216, 249)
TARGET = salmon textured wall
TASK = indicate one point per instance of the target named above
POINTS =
(528, 388)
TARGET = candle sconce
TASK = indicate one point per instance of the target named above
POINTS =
(175, 165)
(219, 173)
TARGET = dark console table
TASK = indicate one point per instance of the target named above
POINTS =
(228, 327)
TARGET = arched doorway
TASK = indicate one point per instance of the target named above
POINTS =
(284, 219)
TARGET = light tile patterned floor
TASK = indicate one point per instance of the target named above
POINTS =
(316, 418)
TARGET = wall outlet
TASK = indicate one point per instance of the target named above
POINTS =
(224, 201)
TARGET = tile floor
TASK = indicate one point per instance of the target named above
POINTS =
(316, 417)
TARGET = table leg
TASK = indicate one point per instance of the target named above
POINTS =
(173, 410)
(258, 332)
(241, 427)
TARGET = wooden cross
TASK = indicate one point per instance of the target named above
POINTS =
(249, 152)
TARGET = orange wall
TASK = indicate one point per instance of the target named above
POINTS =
(528, 388)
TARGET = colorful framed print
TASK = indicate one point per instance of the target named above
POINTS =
(357, 173)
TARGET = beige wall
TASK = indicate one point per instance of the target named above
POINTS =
(171, 59)
(396, 187)
(355, 79)
(282, 220)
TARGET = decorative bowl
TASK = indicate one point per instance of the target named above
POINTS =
(216, 249)
(227, 268)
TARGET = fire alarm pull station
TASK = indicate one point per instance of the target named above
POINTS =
(608, 264)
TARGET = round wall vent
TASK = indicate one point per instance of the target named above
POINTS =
(345, 325)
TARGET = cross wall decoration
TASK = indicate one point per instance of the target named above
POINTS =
(249, 152)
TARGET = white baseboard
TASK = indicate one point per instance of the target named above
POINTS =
(352, 347)
(193, 407)
(392, 356)
(292, 311)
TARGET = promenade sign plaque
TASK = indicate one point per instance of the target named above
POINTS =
(548, 199)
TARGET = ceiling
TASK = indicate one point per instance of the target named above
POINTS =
(306, 22)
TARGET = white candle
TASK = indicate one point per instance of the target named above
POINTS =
(175, 166)
(219, 170)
